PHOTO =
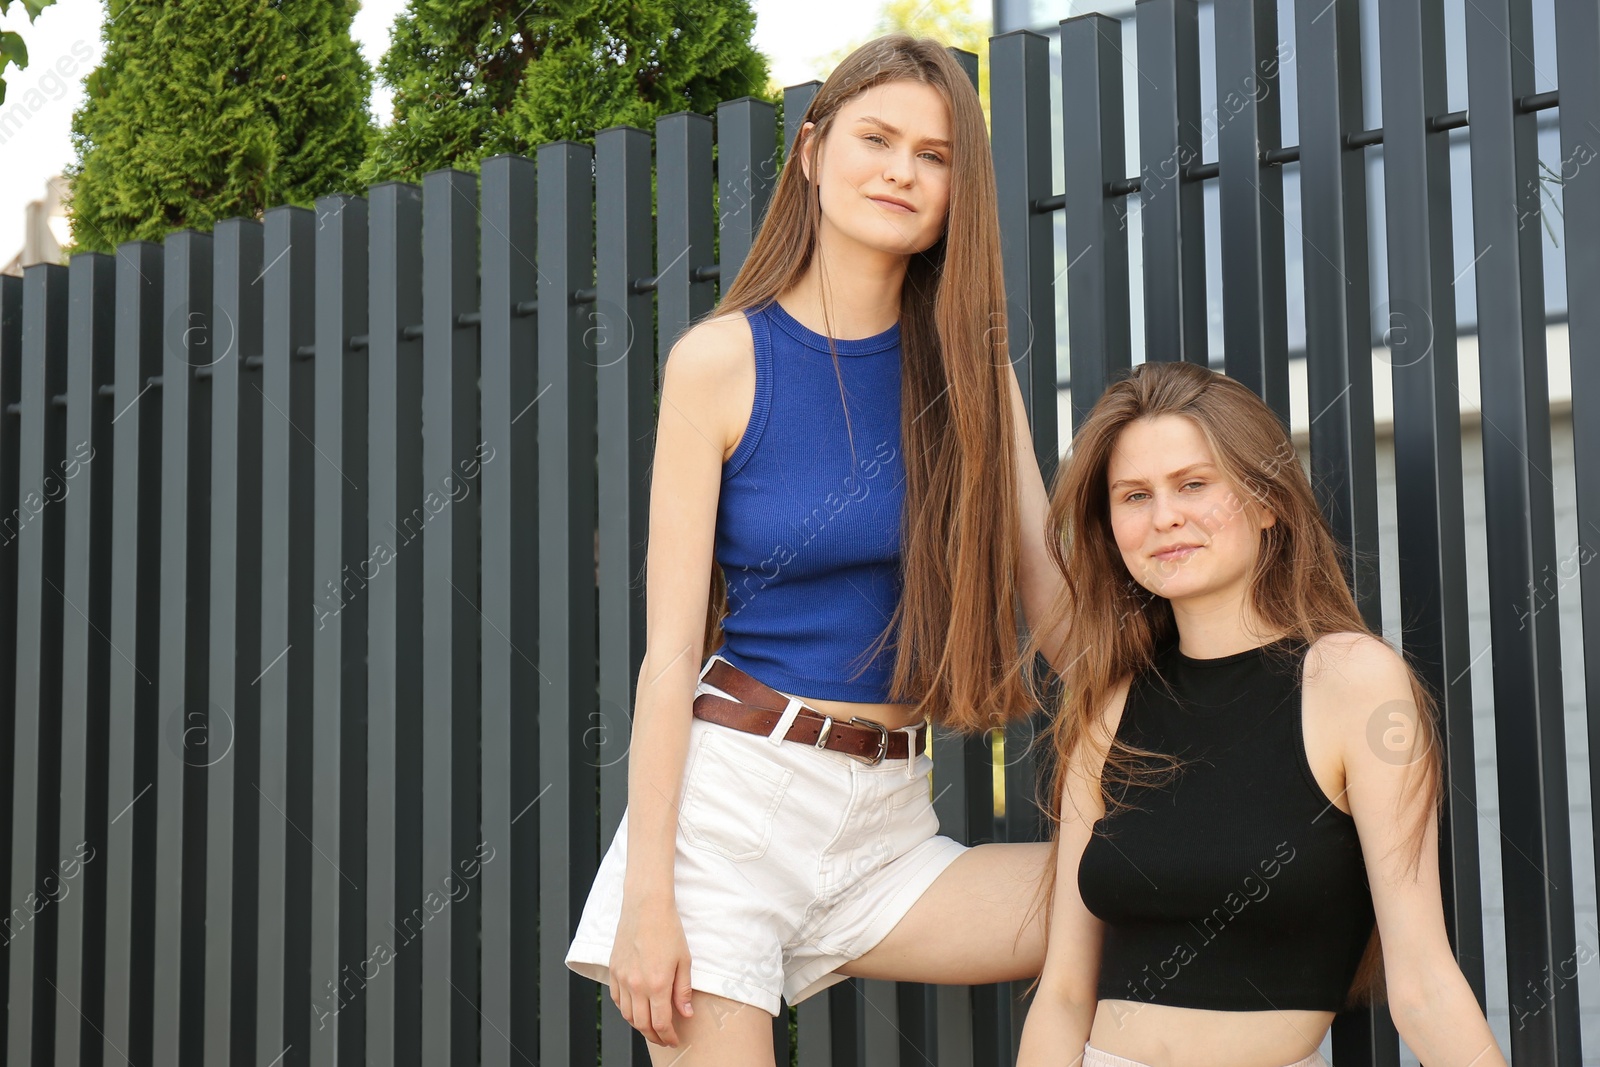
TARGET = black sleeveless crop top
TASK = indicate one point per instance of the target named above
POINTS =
(1236, 885)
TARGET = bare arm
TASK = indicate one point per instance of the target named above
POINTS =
(1040, 583)
(1063, 1009)
(1433, 1006)
(701, 390)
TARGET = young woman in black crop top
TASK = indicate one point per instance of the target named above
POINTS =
(1248, 783)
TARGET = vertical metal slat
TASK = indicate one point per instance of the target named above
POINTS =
(395, 513)
(1255, 323)
(233, 730)
(30, 925)
(1172, 208)
(288, 462)
(450, 619)
(340, 562)
(1519, 513)
(183, 685)
(80, 956)
(747, 170)
(509, 1032)
(684, 233)
(1094, 156)
(568, 822)
(625, 356)
(1420, 333)
(135, 623)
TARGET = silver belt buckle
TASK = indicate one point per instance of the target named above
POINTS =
(883, 742)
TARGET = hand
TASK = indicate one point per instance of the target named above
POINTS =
(650, 970)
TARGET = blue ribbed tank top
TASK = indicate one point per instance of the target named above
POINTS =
(808, 537)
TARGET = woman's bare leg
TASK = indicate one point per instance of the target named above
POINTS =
(981, 921)
(721, 1033)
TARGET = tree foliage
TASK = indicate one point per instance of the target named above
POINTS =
(206, 109)
(12, 48)
(951, 22)
(474, 78)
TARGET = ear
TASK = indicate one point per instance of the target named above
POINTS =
(807, 148)
(1268, 517)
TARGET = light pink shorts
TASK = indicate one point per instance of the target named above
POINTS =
(1094, 1057)
(791, 861)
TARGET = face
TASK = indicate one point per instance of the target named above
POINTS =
(1185, 530)
(885, 168)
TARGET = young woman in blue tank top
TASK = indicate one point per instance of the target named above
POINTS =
(845, 512)
(1248, 778)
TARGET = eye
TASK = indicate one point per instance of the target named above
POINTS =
(1195, 484)
(1135, 496)
(875, 137)
(934, 156)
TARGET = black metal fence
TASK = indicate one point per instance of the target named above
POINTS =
(319, 589)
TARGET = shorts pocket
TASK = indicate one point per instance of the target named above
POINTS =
(731, 799)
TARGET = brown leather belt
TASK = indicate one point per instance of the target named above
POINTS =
(760, 707)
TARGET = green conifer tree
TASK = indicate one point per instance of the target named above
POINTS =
(207, 109)
(474, 78)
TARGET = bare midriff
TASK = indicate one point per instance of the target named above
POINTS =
(1178, 1037)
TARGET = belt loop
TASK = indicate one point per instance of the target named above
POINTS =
(911, 750)
(786, 720)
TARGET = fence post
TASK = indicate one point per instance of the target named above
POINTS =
(450, 619)
(568, 820)
(509, 1031)
(288, 462)
(1171, 202)
(30, 922)
(340, 562)
(1333, 213)
(1519, 515)
(1096, 274)
(135, 622)
(233, 730)
(625, 435)
(394, 626)
(184, 683)
(1577, 35)
(1420, 337)
(684, 234)
(747, 169)
(81, 846)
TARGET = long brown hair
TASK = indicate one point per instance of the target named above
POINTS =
(1297, 588)
(957, 630)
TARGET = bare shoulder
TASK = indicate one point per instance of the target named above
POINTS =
(1103, 729)
(1086, 764)
(1354, 670)
(710, 377)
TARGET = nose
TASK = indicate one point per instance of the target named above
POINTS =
(1165, 511)
(898, 168)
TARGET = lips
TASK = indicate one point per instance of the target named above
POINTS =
(1175, 553)
(893, 204)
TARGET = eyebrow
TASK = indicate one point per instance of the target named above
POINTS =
(1174, 476)
(937, 142)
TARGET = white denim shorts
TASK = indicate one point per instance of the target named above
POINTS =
(791, 861)
(1094, 1057)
